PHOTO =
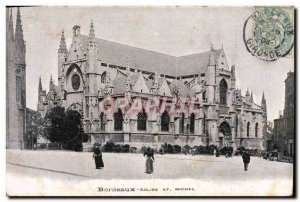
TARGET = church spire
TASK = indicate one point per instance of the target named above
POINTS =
(19, 31)
(263, 100)
(10, 25)
(40, 85)
(19, 40)
(50, 83)
(251, 97)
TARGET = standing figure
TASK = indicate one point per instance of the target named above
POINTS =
(246, 160)
(98, 158)
(149, 162)
(217, 152)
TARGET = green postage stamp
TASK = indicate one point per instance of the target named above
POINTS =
(269, 33)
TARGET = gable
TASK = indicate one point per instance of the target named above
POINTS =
(76, 51)
(140, 86)
(164, 89)
(222, 61)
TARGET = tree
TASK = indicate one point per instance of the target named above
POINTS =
(73, 130)
(35, 125)
(56, 126)
(64, 128)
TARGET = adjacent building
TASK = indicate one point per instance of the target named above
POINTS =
(16, 83)
(284, 126)
(193, 99)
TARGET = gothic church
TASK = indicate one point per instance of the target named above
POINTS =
(95, 70)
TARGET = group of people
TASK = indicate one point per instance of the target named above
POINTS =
(149, 154)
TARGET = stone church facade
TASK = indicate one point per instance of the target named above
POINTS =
(193, 98)
(16, 83)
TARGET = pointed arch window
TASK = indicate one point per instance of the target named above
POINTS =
(165, 121)
(182, 123)
(118, 120)
(192, 123)
(248, 129)
(256, 130)
(102, 122)
(223, 92)
(142, 121)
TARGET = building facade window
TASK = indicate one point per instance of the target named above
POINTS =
(204, 124)
(165, 121)
(142, 121)
(182, 123)
(18, 87)
(223, 92)
(256, 130)
(192, 123)
(236, 125)
(118, 120)
(204, 96)
(102, 122)
(248, 129)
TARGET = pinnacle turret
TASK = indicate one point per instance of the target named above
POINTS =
(127, 82)
(263, 100)
(92, 31)
(212, 61)
(51, 83)
(92, 44)
(62, 45)
(247, 93)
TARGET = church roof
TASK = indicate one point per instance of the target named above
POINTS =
(184, 91)
(119, 84)
(119, 54)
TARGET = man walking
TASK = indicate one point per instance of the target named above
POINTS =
(246, 159)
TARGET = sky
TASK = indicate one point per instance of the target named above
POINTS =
(174, 31)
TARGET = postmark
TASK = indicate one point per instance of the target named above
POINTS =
(269, 33)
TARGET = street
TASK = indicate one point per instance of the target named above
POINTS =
(74, 167)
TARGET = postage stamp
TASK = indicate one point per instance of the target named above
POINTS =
(269, 33)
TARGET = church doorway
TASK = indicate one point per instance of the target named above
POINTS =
(225, 136)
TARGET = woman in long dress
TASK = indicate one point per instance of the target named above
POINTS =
(149, 162)
(98, 158)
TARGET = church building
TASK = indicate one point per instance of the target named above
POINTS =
(144, 98)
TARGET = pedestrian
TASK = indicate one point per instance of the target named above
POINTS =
(218, 152)
(149, 162)
(215, 152)
(246, 160)
(97, 155)
(227, 154)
